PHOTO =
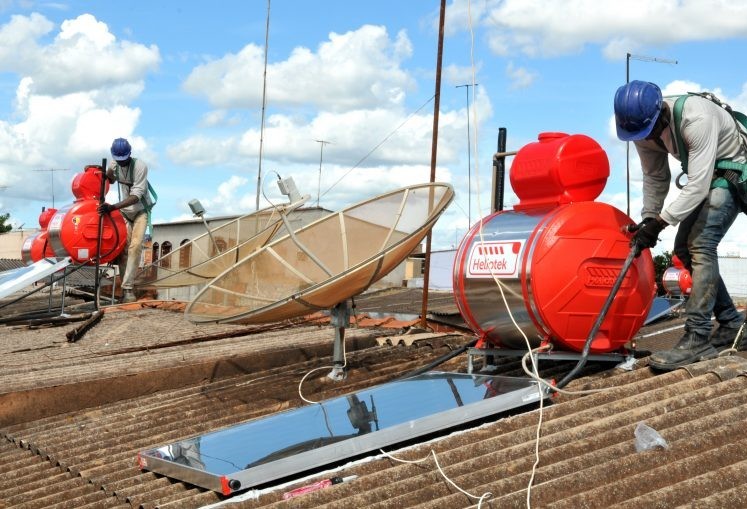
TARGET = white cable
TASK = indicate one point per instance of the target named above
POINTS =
(480, 499)
(344, 363)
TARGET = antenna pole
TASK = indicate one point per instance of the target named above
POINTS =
(51, 171)
(264, 105)
(642, 58)
(321, 152)
(434, 150)
(469, 161)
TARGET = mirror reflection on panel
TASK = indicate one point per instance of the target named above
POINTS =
(286, 434)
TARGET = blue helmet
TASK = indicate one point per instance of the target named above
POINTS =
(121, 149)
(637, 107)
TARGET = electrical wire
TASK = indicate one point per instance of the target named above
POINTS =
(344, 364)
(386, 138)
(480, 499)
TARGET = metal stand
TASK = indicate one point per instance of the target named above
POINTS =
(340, 318)
(490, 353)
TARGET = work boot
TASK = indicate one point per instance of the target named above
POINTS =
(129, 296)
(691, 348)
(724, 337)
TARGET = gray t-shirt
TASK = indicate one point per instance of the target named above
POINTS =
(133, 180)
(709, 133)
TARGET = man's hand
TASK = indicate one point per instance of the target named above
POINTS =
(105, 208)
(110, 175)
(647, 233)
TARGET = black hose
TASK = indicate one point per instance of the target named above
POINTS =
(440, 360)
(598, 323)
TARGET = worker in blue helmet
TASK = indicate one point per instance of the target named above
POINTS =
(703, 209)
(132, 175)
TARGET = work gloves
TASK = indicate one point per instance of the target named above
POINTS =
(105, 208)
(646, 234)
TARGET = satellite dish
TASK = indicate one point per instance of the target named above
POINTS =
(198, 261)
(324, 263)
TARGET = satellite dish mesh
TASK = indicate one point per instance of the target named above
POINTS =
(325, 262)
(200, 260)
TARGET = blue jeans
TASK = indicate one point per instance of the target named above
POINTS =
(696, 245)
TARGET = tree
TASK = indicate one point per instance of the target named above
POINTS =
(5, 228)
(661, 263)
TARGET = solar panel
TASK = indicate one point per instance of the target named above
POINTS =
(337, 429)
(662, 307)
(15, 279)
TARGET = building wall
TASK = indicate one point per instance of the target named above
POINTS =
(12, 242)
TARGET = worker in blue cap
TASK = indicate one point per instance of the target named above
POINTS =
(132, 175)
(698, 132)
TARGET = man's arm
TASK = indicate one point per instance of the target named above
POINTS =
(656, 176)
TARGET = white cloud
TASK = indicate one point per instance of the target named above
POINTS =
(71, 100)
(558, 27)
(520, 77)
(357, 69)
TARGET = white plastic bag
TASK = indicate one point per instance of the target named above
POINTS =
(647, 438)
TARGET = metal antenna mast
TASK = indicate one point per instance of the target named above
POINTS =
(469, 159)
(321, 152)
(51, 172)
(642, 58)
(264, 105)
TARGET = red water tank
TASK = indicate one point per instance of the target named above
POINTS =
(37, 246)
(543, 271)
(87, 184)
(73, 231)
(677, 280)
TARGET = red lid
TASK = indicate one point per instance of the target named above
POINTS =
(87, 185)
(558, 169)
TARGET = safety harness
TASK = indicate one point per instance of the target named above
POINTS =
(733, 173)
(148, 200)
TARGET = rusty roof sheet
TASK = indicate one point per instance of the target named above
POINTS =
(76, 414)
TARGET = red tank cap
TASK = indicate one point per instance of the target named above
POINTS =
(87, 184)
(45, 216)
(559, 168)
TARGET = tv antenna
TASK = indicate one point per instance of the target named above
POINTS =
(321, 153)
(51, 172)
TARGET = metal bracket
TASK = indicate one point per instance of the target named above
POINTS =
(339, 319)
(488, 353)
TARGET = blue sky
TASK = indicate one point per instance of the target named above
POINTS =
(183, 82)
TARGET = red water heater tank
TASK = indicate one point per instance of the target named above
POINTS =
(37, 246)
(677, 280)
(73, 231)
(542, 271)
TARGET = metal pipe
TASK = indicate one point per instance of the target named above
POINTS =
(434, 151)
(499, 170)
(99, 233)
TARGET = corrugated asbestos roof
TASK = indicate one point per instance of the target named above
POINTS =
(76, 414)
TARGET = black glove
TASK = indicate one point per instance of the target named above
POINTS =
(105, 208)
(647, 234)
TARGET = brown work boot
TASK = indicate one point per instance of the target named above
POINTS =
(726, 337)
(693, 347)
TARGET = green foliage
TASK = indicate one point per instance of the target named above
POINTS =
(661, 263)
(5, 228)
